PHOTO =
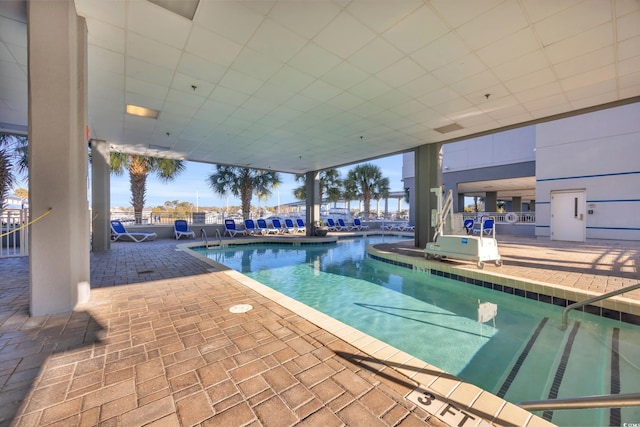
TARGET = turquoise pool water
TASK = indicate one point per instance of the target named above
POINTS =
(436, 320)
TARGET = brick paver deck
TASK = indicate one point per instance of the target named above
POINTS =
(156, 345)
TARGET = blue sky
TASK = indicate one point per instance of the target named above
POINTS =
(190, 186)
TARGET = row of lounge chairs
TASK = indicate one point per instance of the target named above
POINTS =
(251, 228)
(118, 231)
(340, 225)
(403, 226)
(260, 226)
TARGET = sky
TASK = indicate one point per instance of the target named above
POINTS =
(191, 186)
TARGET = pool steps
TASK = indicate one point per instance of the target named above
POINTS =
(609, 371)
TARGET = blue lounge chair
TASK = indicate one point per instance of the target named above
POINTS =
(301, 227)
(342, 226)
(331, 225)
(278, 226)
(119, 232)
(262, 225)
(251, 228)
(358, 225)
(289, 226)
(487, 225)
(181, 228)
(230, 227)
(468, 225)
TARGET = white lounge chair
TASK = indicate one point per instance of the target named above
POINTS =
(118, 232)
(181, 228)
(262, 225)
(358, 225)
(230, 227)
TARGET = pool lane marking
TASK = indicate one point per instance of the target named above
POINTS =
(615, 416)
(525, 352)
(557, 380)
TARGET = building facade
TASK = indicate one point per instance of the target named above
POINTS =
(581, 175)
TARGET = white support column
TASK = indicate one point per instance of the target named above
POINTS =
(58, 157)
(100, 196)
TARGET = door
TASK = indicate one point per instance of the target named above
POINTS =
(567, 215)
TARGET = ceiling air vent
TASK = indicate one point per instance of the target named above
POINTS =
(185, 8)
(449, 128)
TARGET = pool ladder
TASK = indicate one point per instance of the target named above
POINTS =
(205, 239)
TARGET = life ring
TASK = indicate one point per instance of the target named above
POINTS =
(511, 217)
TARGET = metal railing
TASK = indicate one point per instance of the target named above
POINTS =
(583, 402)
(15, 237)
(565, 313)
(504, 217)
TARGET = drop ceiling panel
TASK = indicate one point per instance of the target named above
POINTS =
(232, 20)
(319, 75)
(416, 30)
(344, 36)
(305, 19)
(157, 23)
(498, 23)
(441, 52)
(274, 40)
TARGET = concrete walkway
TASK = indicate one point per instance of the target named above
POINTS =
(157, 345)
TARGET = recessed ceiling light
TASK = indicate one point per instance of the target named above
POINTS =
(135, 110)
(159, 147)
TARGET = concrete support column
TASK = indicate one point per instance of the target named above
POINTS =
(312, 183)
(100, 196)
(428, 174)
(458, 203)
(491, 201)
(516, 204)
(58, 157)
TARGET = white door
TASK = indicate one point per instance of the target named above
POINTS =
(567, 216)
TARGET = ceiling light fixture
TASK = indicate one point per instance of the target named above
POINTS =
(159, 147)
(136, 110)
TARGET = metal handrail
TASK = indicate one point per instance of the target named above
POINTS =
(565, 313)
(604, 401)
(203, 236)
(219, 237)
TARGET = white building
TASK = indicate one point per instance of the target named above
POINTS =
(581, 175)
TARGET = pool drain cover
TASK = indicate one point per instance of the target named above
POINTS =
(240, 308)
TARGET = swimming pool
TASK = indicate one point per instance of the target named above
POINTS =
(525, 357)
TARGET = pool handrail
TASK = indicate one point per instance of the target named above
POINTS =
(565, 313)
(583, 402)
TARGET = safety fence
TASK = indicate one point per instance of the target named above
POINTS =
(15, 232)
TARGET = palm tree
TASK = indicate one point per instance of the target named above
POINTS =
(367, 182)
(139, 168)
(242, 183)
(13, 153)
(330, 184)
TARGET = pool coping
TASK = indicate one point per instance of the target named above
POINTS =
(441, 394)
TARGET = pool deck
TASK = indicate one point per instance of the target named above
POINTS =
(156, 345)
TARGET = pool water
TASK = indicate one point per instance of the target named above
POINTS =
(436, 320)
